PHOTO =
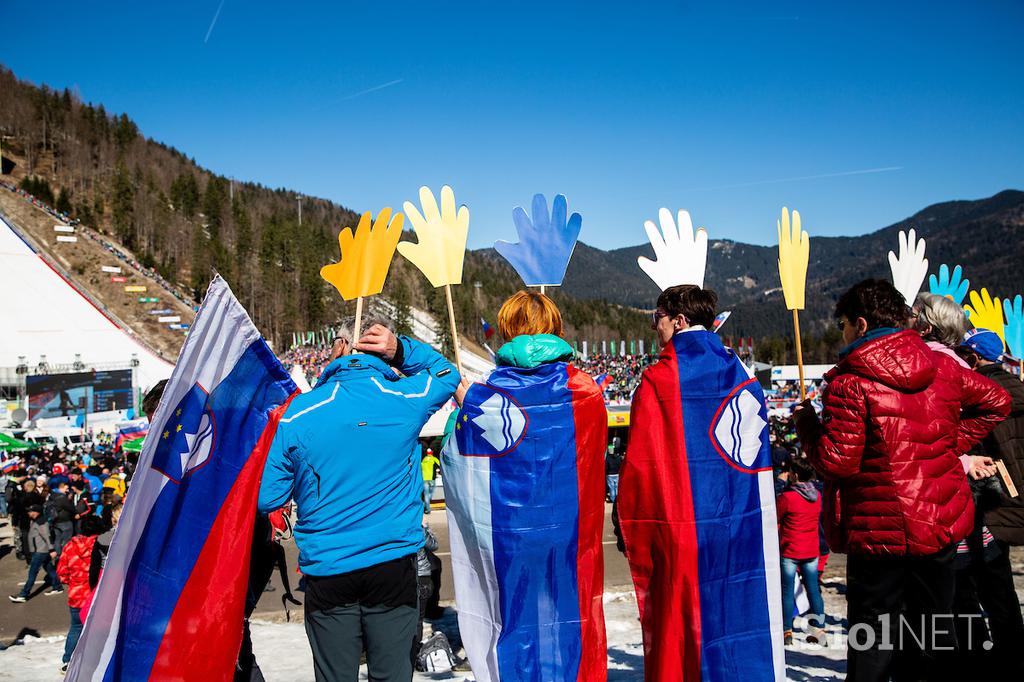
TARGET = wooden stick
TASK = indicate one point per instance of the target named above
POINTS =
(1020, 374)
(1011, 489)
(799, 354)
(359, 320)
(455, 331)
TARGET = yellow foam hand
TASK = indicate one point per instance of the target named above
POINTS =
(986, 313)
(365, 255)
(441, 235)
(794, 252)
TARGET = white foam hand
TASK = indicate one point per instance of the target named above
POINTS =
(910, 268)
(680, 254)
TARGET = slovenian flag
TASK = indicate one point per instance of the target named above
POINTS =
(603, 381)
(171, 597)
(488, 329)
(130, 431)
(524, 487)
(697, 510)
(8, 464)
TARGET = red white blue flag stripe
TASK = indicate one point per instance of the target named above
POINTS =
(170, 600)
(524, 486)
(697, 510)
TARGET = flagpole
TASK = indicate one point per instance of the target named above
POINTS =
(799, 354)
(542, 289)
(455, 331)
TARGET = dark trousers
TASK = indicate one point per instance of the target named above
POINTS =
(900, 615)
(40, 560)
(373, 608)
(988, 586)
(337, 636)
(74, 632)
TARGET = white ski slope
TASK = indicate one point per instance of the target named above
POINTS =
(42, 314)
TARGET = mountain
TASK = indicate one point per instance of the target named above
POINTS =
(184, 222)
(985, 236)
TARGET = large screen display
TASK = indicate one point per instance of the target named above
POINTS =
(63, 395)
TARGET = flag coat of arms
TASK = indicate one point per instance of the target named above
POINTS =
(524, 487)
(696, 508)
(170, 601)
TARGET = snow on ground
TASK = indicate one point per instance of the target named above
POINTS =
(283, 652)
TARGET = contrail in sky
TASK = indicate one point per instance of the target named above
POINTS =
(375, 88)
(214, 22)
(865, 171)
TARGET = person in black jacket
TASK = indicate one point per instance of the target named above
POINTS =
(988, 582)
(60, 511)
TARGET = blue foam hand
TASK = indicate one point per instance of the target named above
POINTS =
(546, 242)
(1014, 329)
(954, 286)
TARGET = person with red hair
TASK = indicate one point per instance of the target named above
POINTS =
(524, 487)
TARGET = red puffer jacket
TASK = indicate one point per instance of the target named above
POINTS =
(896, 416)
(73, 568)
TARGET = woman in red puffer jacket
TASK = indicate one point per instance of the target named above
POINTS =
(73, 571)
(896, 417)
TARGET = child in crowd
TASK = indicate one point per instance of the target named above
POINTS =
(73, 570)
(799, 508)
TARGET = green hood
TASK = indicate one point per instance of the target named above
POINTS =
(531, 351)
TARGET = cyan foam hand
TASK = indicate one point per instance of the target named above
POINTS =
(546, 241)
(1014, 330)
(953, 286)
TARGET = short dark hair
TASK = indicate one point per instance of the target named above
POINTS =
(877, 301)
(152, 399)
(697, 305)
(801, 468)
(92, 525)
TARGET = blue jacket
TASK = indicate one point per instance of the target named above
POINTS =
(344, 453)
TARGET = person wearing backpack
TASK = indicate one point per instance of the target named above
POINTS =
(41, 552)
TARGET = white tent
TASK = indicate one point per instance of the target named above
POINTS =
(42, 314)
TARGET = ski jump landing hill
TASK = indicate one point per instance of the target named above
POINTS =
(42, 313)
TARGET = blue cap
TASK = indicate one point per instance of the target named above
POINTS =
(985, 343)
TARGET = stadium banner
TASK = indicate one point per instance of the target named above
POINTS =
(134, 288)
(63, 228)
(118, 279)
(111, 268)
(169, 318)
(148, 299)
(66, 240)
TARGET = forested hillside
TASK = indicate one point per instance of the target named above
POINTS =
(187, 222)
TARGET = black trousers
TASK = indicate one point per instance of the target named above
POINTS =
(900, 616)
(988, 586)
(373, 609)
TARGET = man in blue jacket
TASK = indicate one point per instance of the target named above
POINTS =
(344, 453)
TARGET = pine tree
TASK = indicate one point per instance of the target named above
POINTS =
(401, 300)
(122, 206)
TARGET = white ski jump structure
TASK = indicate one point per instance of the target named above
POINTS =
(44, 314)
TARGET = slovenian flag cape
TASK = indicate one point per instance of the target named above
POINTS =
(169, 604)
(696, 507)
(524, 488)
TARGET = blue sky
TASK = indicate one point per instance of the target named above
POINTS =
(623, 107)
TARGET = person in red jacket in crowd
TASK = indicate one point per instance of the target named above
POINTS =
(73, 571)
(798, 508)
(896, 417)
